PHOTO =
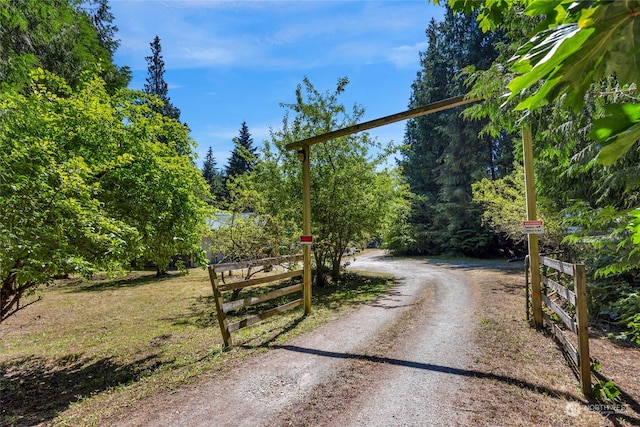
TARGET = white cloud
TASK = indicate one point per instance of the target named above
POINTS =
(274, 35)
(407, 56)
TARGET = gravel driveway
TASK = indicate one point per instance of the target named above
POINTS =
(395, 362)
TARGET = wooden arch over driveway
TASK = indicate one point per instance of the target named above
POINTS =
(303, 150)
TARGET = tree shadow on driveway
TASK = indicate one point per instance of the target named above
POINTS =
(631, 404)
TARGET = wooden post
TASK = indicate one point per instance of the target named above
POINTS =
(534, 253)
(580, 288)
(526, 287)
(304, 154)
(222, 317)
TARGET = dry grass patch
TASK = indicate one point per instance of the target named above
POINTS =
(91, 349)
(522, 377)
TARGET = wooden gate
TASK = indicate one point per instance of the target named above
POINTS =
(565, 309)
(222, 308)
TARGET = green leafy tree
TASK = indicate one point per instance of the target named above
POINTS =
(238, 236)
(87, 187)
(574, 73)
(350, 195)
(156, 84)
(100, 13)
(56, 36)
(574, 76)
(48, 176)
(504, 210)
(165, 192)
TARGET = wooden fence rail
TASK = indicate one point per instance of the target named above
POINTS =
(222, 308)
(555, 296)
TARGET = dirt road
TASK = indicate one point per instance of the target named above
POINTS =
(395, 362)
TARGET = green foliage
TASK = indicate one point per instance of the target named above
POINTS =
(88, 186)
(606, 391)
(444, 154)
(575, 45)
(617, 132)
(212, 175)
(505, 209)
(58, 37)
(576, 71)
(155, 83)
(350, 192)
(243, 156)
(627, 309)
(247, 236)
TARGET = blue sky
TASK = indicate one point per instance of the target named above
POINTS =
(227, 62)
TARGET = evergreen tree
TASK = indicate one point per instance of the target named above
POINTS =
(155, 83)
(444, 154)
(100, 13)
(243, 156)
(212, 175)
(60, 37)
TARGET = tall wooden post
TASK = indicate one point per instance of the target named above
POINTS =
(304, 154)
(534, 253)
(580, 288)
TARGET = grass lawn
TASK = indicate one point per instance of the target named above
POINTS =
(90, 349)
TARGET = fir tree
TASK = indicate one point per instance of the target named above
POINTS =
(444, 154)
(100, 13)
(243, 156)
(212, 175)
(155, 82)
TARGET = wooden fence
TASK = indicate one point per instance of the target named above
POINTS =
(569, 307)
(222, 308)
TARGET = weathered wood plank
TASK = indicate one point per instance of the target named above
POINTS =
(565, 293)
(566, 319)
(563, 267)
(245, 302)
(570, 350)
(259, 280)
(222, 317)
(257, 318)
(255, 263)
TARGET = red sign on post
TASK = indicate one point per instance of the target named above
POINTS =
(306, 240)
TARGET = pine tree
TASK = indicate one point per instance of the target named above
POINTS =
(443, 154)
(212, 175)
(243, 156)
(155, 83)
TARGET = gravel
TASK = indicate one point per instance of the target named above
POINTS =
(398, 361)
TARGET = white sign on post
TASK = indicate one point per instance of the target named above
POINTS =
(533, 227)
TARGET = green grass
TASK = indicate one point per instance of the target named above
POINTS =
(89, 350)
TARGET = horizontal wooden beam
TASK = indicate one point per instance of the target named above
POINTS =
(245, 302)
(561, 290)
(569, 349)
(257, 318)
(562, 267)
(259, 281)
(405, 115)
(229, 266)
(564, 316)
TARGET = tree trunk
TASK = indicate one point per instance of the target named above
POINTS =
(336, 260)
(335, 266)
(320, 276)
